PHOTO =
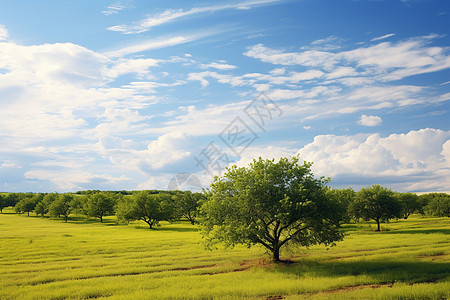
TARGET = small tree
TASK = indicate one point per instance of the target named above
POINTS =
(187, 204)
(3, 203)
(26, 204)
(150, 208)
(271, 204)
(61, 206)
(345, 198)
(439, 205)
(409, 204)
(99, 205)
(376, 203)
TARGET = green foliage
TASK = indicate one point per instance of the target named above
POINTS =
(438, 205)
(61, 206)
(99, 205)
(150, 208)
(345, 198)
(26, 204)
(410, 204)
(271, 204)
(2, 203)
(187, 204)
(377, 203)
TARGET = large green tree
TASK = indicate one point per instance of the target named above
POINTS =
(150, 208)
(271, 204)
(377, 203)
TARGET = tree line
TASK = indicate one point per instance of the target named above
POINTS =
(150, 206)
(273, 204)
(375, 203)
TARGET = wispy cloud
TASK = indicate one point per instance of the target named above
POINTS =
(219, 66)
(116, 7)
(171, 15)
(3, 32)
(149, 45)
(382, 37)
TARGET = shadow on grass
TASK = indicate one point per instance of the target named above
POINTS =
(166, 228)
(380, 271)
(420, 231)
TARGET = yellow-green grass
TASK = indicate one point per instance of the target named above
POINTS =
(49, 259)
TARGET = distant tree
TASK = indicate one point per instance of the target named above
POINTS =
(410, 204)
(41, 209)
(12, 199)
(99, 205)
(344, 197)
(26, 204)
(377, 203)
(271, 204)
(438, 205)
(187, 204)
(150, 208)
(3, 203)
(62, 206)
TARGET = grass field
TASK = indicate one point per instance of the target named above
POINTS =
(50, 259)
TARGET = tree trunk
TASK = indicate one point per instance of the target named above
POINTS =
(276, 254)
(101, 219)
(28, 213)
(378, 225)
(65, 217)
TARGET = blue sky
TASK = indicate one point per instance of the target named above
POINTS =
(129, 94)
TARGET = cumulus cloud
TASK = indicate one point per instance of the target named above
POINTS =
(401, 160)
(370, 120)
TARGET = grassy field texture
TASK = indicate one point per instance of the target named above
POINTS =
(50, 259)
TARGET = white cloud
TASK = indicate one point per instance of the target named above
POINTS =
(116, 7)
(3, 32)
(370, 120)
(382, 37)
(400, 160)
(384, 61)
(150, 45)
(72, 180)
(219, 66)
(171, 15)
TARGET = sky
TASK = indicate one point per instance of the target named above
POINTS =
(140, 94)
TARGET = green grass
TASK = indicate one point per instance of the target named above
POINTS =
(49, 259)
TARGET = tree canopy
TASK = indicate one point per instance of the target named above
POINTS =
(272, 204)
(377, 203)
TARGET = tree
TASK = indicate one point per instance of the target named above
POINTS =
(26, 204)
(61, 206)
(345, 198)
(99, 205)
(438, 205)
(150, 208)
(43, 206)
(377, 203)
(409, 204)
(187, 204)
(3, 203)
(272, 204)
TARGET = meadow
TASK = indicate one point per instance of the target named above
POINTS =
(43, 258)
